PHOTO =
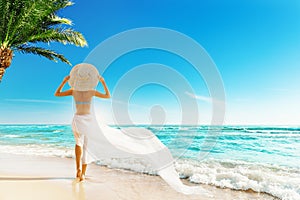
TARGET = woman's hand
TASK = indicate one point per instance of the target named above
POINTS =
(100, 95)
(101, 79)
(58, 91)
(66, 79)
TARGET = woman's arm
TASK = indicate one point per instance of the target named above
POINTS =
(59, 93)
(101, 95)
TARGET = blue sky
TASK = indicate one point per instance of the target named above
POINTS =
(254, 44)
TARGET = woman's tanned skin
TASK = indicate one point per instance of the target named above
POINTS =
(81, 109)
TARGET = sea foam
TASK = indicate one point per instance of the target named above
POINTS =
(281, 182)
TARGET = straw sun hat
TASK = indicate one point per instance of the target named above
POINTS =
(83, 77)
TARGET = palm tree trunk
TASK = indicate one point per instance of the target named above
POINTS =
(5, 60)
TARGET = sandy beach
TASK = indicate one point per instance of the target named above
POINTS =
(36, 177)
(211, 87)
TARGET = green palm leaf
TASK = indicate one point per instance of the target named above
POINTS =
(51, 55)
(26, 23)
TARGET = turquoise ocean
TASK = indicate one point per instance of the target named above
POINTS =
(259, 158)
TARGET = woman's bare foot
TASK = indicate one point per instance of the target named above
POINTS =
(78, 174)
(82, 177)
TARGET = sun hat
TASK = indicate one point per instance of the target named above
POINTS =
(83, 77)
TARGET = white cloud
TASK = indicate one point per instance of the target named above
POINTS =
(120, 102)
(202, 98)
(284, 90)
(36, 101)
(205, 98)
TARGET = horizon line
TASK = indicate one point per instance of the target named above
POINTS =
(68, 124)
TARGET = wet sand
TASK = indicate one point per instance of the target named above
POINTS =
(35, 177)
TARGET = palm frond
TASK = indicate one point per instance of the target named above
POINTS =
(51, 55)
(65, 36)
(24, 23)
(36, 17)
(59, 20)
(4, 7)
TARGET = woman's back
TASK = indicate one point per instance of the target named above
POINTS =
(83, 100)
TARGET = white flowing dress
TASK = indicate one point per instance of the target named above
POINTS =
(140, 144)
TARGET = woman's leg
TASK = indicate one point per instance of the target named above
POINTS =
(84, 166)
(78, 153)
(84, 160)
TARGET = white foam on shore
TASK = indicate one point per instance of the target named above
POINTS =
(129, 164)
(280, 182)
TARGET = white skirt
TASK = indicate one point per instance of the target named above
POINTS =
(103, 142)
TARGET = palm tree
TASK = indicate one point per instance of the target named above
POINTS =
(26, 23)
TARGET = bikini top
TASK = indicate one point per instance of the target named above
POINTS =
(83, 102)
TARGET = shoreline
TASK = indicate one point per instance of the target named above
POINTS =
(54, 178)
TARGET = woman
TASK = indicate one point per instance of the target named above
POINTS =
(97, 141)
(83, 99)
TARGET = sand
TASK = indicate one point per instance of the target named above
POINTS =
(24, 177)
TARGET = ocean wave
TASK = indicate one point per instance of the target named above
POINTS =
(281, 182)
(38, 150)
(10, 136)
